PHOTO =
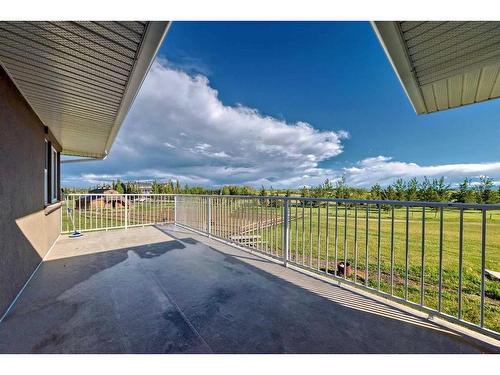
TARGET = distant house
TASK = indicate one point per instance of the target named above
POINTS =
(103, 198)
(145, 189)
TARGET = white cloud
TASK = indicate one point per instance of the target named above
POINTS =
(178, 127)
(384, 170)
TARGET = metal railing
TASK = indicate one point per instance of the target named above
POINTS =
(87, 212)
(429, 255)
(433, 256)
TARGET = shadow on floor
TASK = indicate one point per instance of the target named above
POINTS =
(183, 296)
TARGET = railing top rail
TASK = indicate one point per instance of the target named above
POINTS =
(109, 194)
(473, 206)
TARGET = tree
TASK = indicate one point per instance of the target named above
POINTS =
(412, 190)
(399, 189)
(425, 190)
(155, 188)
(263, 193)
(170, 187)
(119, 186)
(376, 192)
(341, 189)
(484, 191)
(440, 189)
(131, 188)
(464, 193)
(389, 193)
(325, 190)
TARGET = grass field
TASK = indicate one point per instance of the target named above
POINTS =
(308, 246)
(315, 233)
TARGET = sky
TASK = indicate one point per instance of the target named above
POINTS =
(287, 104)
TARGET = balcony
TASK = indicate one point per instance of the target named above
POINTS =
(169, 288)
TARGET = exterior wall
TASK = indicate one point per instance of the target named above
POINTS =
(27, 228)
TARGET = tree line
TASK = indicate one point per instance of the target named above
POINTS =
(426, 190)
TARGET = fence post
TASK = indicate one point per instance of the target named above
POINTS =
(285, 232)
(209, 216)
(126, 211)
(175, 209)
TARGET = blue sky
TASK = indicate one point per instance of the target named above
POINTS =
(258, 83)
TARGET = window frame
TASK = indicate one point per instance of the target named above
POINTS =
(51, 174)
(54, 176)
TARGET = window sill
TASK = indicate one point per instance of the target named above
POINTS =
(52, 207)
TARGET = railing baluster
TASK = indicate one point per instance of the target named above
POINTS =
(303, 232)
(126, 211)
(271, 228)
(355, 243)
(285, 232)
(392, 251)
(318, 247)
(310, 233)
(378, 251)
(296, 232)
(85, 212)
(366, 244)
(97, 218)
(345, 240)
(406, 252)
(93, 198)
(209, 216)
(440, 282)
(335, 265)
(276, 223)
(267, 226)
(483, 264)
(422, 263)
(460, 261)
(326, 234)
(224, 217)
(255, 223)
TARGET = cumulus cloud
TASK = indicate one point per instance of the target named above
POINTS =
(179, 128)
(384, 170)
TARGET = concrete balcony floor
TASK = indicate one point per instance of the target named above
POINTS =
(166, 290)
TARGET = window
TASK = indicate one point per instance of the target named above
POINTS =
(54, 188)
(46, 174)
(51, 174)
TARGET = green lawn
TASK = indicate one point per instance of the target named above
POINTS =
(304, 249)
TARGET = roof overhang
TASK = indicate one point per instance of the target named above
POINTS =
(80, 78)
(443, 65)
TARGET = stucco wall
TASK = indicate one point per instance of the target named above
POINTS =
(26, 231)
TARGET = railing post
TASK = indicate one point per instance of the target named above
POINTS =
(175, 209)
(285, 232)
(126, 211)
(209, 216)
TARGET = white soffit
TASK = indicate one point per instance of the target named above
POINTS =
(443, 65)
(80, 78)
